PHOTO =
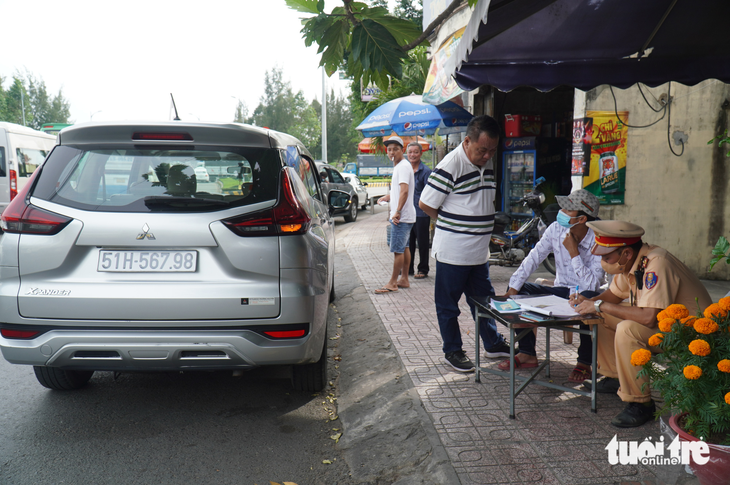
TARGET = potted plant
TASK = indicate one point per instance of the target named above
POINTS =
(693, 376)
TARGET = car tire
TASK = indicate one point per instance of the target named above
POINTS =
(366, 204)
(62, 380)
(311, 377)
(332, 291)
(351, 215)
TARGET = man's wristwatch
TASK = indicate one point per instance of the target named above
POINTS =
(597, 305)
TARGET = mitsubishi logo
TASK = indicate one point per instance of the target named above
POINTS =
(146, 233)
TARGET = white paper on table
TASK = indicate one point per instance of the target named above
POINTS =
(550, 305)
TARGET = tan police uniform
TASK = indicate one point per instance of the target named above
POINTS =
(666, 280)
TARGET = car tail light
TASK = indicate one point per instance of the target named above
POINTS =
(19, 334)
(162, 136)
(286, 333)
(286, 217)
(22, 218)
(13, 184)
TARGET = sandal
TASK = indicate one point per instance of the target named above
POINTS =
(504, 365)
(420, 276)
(384, 290)
(579, 374)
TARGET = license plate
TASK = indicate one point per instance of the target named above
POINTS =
(147, 261)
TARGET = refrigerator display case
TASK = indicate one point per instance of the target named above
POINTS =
(519, 161)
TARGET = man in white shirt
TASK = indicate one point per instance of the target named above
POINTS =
(460, 196)
(402, 215)
(571, 240)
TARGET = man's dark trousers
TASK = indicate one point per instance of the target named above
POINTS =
(452, 282)
(420, 233)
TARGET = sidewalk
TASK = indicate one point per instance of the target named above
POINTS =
(555, 439)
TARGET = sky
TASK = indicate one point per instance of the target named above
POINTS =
(121, 60)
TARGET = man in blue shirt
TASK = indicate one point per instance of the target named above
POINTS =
(420, 231)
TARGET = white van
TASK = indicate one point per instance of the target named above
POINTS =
(22, 150)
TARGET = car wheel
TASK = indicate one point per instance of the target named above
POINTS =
(62, 380)
(351, 216)
(332, 291)
(311, 377)
(366, 204)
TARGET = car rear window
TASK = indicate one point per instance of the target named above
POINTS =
(165, 179)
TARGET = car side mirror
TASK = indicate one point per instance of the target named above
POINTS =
(337, 200)
(365, 184)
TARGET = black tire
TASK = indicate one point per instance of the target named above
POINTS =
(351, 216)
(62, 380)
(367, 203)
(549, 263)
(311, 377)
(332, 291)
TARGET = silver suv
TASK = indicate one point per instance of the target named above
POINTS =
(117, 256)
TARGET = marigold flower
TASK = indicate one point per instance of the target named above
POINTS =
(661, 315)
(656, 339)
(705, 326)
(689, 321)
(677, 311)
(666, 325)
(727, 398)
(699, 347)
(724, 303)
(715, 310)
(692, 372)
(640, 357)
(724, 366)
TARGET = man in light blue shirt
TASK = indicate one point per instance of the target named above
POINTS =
(571, 241)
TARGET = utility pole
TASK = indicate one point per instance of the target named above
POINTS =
(324, 116)
(22, 103)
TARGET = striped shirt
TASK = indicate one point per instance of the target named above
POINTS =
(464, 195)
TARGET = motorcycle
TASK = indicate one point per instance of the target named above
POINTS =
(508, 248)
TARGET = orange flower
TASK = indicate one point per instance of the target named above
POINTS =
(715, 310)
(727, 398)
(724, 366)
(640, 357)
(666, 325)
(705, 326)
(656, 339)
(699, 347)
(688, 321)
(661, 315)
(724, 303)
(692, 372)
(677, 311)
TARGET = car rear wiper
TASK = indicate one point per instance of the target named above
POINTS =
(183, 202)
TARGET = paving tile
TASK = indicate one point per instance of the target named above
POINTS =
(555, 439)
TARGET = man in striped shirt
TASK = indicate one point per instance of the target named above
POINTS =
(460, 196)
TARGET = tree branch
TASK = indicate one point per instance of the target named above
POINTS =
(350, 15)
(435, 23)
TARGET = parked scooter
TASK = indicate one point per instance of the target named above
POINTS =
(509, 248)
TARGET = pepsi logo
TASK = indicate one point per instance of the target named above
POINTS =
(407, 126)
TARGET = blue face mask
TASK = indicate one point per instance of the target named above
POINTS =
(564, 220)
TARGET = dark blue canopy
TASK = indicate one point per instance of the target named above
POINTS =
(586, 43)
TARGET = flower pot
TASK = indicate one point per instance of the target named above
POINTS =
(717, 470)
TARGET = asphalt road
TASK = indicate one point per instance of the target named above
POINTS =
(172, 428)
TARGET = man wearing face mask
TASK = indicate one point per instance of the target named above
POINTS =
(570, 239)
(650, 279)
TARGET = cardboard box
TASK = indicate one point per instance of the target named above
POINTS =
(522, 125)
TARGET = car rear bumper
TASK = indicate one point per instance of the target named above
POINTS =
(160, 350)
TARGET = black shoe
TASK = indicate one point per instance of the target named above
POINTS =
(459, 361)
(635, 414)
(607, 385)
(501, 350)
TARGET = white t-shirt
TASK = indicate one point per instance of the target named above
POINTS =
(464, 195)
(403, 174)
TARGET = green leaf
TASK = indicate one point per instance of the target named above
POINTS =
(721, 247)
(403, 31)
(304, 6)
(375, 48)
(334, 43)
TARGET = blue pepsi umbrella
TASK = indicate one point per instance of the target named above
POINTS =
(411, 116)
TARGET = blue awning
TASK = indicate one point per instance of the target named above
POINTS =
(586, 43)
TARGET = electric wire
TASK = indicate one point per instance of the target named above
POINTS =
(669, 123)
(615, 107)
